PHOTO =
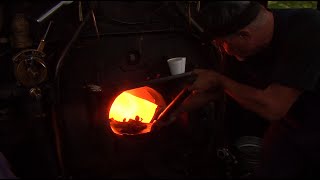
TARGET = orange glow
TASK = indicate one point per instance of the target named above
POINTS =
(128, 106)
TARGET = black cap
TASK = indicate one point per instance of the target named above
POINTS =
(215, 23)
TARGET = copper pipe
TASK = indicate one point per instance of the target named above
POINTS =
(133, 33)
(58, 142)
(66, 49)
(56, 123)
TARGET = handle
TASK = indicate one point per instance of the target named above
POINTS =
(42, 42)
(188, 75)
(163, 117)
(174, 104)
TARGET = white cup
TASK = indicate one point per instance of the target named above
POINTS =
(177, 65)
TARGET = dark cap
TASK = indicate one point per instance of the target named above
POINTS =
(223, 18)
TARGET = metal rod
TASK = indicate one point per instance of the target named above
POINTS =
(169, 30)
(80, 12)
(58, 142)
(48, 28)
(52, 10)
(184, 93)
(66, 49)
(58, 126)
(95, 24)
(164, 117)
(162, 80)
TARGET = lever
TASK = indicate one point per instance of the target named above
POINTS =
(42, 42)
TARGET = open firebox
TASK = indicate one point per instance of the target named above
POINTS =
(134, 111)
(143, 109)
(141, 133)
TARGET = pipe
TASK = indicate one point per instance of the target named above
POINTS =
(58, 142)
(168, 30)
(56, 124)
(66, 49)
(95, 24)
(52, 10)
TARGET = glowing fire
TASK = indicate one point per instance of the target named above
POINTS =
(130, 104)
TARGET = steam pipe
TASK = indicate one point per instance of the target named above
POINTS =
(58, 125)
(74, 38)
(66, 49)
(58, 142)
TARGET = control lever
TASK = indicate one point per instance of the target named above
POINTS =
(42, 41)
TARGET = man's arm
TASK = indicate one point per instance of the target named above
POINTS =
(271, 103)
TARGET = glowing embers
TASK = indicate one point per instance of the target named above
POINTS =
(127, 106)
(133, 111)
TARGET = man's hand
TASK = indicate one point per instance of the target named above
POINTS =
(207, 80)
(206, 88)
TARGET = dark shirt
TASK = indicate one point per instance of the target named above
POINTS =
(298, 64)
(292, 60)
(291, 145)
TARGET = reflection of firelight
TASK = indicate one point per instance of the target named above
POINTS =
(127, 106)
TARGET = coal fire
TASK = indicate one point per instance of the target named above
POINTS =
(134, 111)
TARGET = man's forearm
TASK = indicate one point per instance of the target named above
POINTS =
(271, 103)
(250, 98)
